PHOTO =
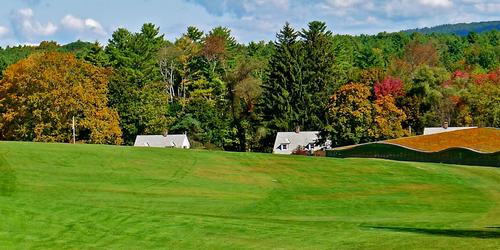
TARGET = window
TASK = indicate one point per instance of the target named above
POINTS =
(310, 146)
(284, 146)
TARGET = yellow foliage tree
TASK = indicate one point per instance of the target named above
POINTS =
(388, 118)
(350, 115)
(40, 95)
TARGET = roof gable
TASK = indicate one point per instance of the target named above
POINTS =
(293, 140)
(161, 140)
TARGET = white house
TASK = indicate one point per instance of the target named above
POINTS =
(444, 128)
(162, 141)
(287, 142)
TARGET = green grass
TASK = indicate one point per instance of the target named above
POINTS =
(86, 197)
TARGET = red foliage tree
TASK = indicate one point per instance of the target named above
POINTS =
(390, 86)
(460, 74)
(492, 77)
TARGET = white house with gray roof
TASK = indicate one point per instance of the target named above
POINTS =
(287, 142)
(162, 141)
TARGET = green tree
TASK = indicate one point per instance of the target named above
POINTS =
(194, 34)
(423, 93)
(283, 90)
(318, 75)
(3, 66)
(134, 92)
(96, 55)
(244, 90)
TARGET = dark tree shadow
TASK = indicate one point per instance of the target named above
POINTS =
(7, 178)
(467, 233)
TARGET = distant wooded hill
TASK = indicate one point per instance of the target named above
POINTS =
(461, 29)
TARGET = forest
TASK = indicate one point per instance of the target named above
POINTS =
(231, 96)
(461, 29)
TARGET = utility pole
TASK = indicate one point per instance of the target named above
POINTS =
(74, 132)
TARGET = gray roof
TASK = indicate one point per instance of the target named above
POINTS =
(437, 130)
(160, 141)
(293, 140)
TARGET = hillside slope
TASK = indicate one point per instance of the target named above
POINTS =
(481, 139)
(461, 29)
(85, 196)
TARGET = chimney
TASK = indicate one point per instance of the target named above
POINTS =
(445, 125)
(297, 129)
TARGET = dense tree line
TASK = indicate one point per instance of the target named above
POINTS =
(232, 96)
(461, 29)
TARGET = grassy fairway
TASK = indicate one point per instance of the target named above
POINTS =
(83, 196)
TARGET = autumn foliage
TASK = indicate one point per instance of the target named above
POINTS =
(387, 118)
(355, 119)
(214, 48)
(421, 53)
(350, 113)
(40, 95)
(390, 86)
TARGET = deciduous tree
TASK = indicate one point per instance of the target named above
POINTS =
(350, 113)
(390, 86)
(133, 88)
(388, 119)
(40, 95)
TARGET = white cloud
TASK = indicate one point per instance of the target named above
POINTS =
(95, 26)
(3, 31)
(342, 3)
(436, 3)
(488, 7)
(276, 3)
(25, 25)
(26, 13)
(426, 9)
(82, 25)
(71, 22)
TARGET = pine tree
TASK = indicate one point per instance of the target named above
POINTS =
(96, 55)
(281, 101)
(318, 75)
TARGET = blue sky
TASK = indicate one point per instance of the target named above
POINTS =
(32, 21)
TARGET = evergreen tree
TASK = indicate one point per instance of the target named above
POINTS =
(3, 66)
(96, 55)
(194, 34)
(282, 96)
(318, 75)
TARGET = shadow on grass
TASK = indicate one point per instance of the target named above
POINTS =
(7, 178)
(466, 233)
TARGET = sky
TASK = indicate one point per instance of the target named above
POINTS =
(64, 21)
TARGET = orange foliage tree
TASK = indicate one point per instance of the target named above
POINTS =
(40, 95)
(417, 54)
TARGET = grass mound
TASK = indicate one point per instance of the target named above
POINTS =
(481, 139)
(88, 196)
